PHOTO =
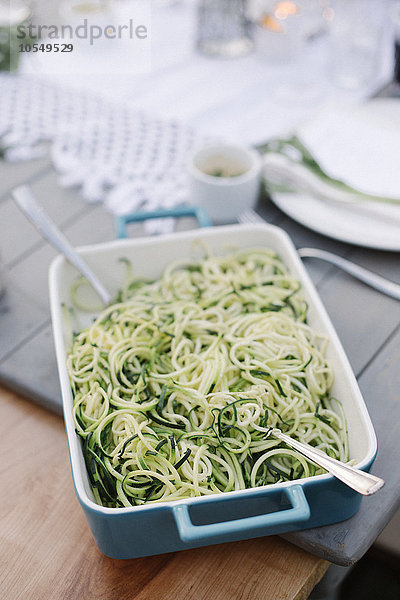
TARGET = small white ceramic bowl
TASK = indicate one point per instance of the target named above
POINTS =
(225, 180)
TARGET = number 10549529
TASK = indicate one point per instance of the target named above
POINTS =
(46, 47)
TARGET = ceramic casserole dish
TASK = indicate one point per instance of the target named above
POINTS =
(176, 525)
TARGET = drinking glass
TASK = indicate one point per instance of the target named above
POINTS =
(356, 35)
(285, 31)
(223, 28)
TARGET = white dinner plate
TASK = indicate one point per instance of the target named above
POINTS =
(362, 147)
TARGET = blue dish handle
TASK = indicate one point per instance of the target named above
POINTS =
(179, 211)
(189, 532)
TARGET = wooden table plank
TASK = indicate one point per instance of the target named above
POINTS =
(25, 305)
(384, 263)
(47, 551)
(18, 236)
(40, 379)
(363, 317)
(14, 173)
(31, 274)
(20, 317)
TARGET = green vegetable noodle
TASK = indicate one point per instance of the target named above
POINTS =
(177, 385)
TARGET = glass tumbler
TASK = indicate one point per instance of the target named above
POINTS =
(356, 36)
(223, 28)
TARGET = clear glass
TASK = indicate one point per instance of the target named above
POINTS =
(356, 35)
(224, 28)
(285, 31)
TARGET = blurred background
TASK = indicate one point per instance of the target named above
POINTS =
(210, 59)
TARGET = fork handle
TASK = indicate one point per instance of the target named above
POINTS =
(360, 481)
(390, 288)
(27, 202)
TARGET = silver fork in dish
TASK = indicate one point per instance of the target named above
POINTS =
(365, 275)
(363, 483)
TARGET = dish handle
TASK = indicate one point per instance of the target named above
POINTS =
(272, 521)
(179, 211)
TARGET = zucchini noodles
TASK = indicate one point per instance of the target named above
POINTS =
(177, 384)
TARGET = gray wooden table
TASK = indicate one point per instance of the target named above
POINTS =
(367, 322)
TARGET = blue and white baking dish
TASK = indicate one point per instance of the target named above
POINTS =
(170, 526)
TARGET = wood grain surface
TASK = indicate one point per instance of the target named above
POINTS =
(47, 551)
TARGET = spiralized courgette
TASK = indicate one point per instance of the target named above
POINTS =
(177, 385)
